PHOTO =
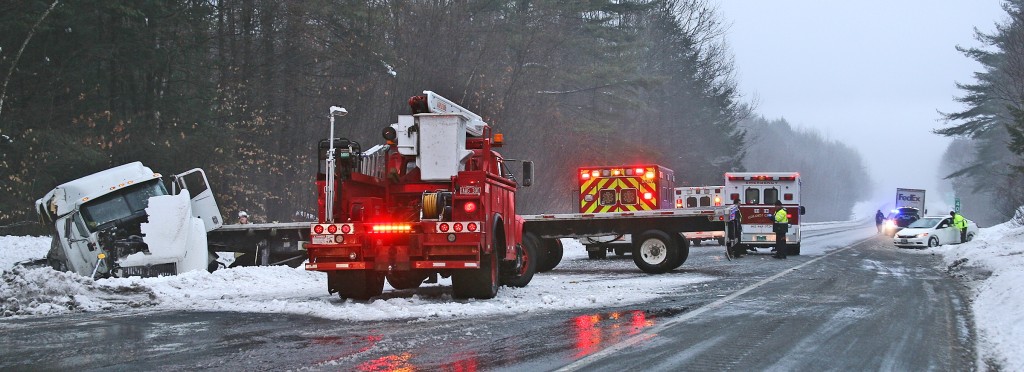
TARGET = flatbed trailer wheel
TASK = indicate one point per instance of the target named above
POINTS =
(355, 284)
(655, 252)
(684, 252)
(553, 255)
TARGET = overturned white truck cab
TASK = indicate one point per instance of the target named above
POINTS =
(123, 222)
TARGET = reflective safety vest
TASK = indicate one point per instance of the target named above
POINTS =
(959, 221)
(780, 216)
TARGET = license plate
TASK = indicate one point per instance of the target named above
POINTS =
(762, 238)
(323, 239)
(903, 240)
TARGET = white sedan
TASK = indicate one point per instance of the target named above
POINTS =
(932, 231)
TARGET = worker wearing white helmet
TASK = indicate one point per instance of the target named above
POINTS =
(243, 218)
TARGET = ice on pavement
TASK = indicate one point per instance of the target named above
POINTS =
(993, 264)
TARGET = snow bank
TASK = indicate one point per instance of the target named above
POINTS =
(997, 252)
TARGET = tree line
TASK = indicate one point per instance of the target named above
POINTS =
(241, 88)
(985, 162)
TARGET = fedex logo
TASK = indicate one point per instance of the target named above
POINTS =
(910, 197)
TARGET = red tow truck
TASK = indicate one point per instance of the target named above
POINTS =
(437, 199)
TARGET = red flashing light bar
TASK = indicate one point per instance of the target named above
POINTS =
(587, 174)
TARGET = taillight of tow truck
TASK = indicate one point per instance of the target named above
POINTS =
(318, 229)
(332, 229)
(392, 228)
(469, 207)
(471, 227)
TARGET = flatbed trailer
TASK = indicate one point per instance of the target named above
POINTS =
(658, 243)
(262, 244)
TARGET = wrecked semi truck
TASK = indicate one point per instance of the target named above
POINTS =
(123, 222)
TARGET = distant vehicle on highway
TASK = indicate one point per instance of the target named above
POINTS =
(900, 218)
(932, 231)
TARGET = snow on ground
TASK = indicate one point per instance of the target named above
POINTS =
(280, 289)
(996, 301)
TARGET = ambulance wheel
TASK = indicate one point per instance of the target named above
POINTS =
(356, 285)
(553, 250)
(521, 271)
(655, 252)
(406, 279)
(793, 250)
(480, 283)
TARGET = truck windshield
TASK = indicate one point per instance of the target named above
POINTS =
(120, 204)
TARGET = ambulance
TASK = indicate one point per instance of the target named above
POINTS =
(622, 188)
(699, 197)
(757, 193)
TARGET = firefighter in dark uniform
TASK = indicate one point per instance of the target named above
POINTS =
(780, 227)
(736, 231)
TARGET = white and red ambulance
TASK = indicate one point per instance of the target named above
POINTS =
(757, 193)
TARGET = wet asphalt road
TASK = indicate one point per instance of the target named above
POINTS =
(869, 306)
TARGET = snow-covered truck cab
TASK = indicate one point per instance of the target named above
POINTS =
(757, 193)
(621, 188)
(436, 200)
(104, 224)
(701, 197)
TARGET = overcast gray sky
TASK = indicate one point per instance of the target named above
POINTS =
(869, 73)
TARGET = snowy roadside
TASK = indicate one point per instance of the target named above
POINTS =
(997, 298)
(279, 289)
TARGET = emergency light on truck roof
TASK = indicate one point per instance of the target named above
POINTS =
(587, 174)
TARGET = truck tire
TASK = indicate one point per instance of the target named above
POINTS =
(553, 255)
(355, 284)
(522, 272)
(793, 250)
(481, 283)
(655, 252)
(406, 279)
(684, 252)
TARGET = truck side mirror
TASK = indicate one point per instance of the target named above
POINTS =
(803, 210)
(527, 173)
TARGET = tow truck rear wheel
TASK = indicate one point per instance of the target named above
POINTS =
(793, 250)
(481, 283)
(357, 285)
(521, 271)
(655, 252)
(553, 255)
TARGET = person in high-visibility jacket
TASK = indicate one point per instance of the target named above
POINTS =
(961, 224)
(780, 227)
